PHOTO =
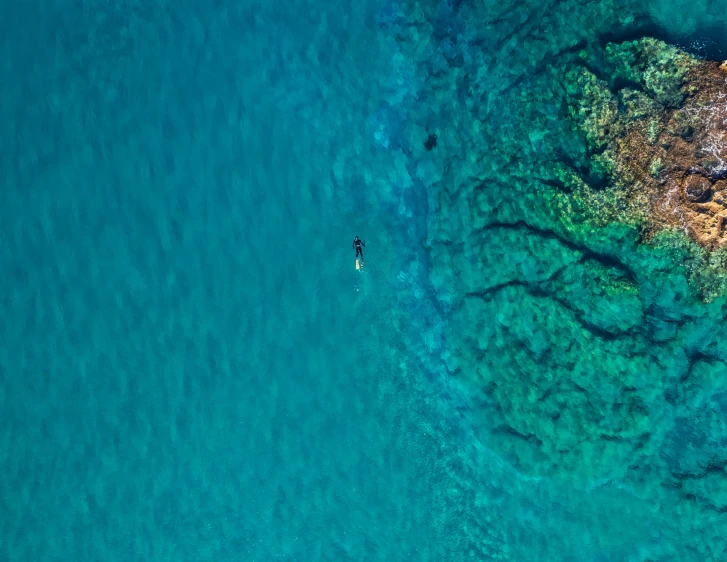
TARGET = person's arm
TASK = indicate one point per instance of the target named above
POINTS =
(364, 243)
(353, 245)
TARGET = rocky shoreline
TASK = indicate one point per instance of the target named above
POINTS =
(576, 249)
(656, 131)
(574, 245)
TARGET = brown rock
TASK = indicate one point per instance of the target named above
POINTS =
(690, 190)
(697, 189)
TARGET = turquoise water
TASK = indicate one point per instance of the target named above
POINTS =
(192, 368)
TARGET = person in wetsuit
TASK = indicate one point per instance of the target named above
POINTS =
(357, 243)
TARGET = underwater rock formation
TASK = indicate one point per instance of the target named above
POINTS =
(656, 130)
(586, 324)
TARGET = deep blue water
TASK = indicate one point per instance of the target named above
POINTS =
(191, 368)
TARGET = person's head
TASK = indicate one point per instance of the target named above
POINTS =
(355, 237)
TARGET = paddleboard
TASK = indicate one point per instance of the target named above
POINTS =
(359, 265)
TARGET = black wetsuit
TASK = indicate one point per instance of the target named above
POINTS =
(357, 244)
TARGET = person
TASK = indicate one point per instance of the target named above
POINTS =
(357, 244)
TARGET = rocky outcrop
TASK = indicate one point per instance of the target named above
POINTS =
(656, 130)
(587, 324)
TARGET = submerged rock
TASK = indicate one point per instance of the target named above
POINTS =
(586, 350)
(668, 139)
(661, 70)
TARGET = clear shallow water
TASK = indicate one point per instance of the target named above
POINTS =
(192, 369)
